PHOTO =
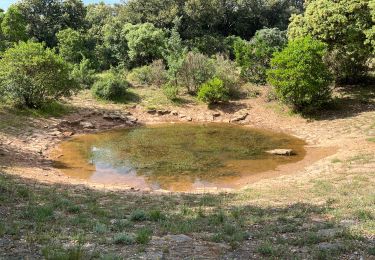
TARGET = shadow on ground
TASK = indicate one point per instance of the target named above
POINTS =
(66, 220)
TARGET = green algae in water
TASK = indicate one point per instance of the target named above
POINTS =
(164, 155)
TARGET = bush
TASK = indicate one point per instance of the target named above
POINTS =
(153, 74)
(145, 43)
(170, 91)
(254, 57)
(227, 71)
(110, 87)
(83, 74)
(213, 91)
(32, 75)
(300, 76)
(195, 70)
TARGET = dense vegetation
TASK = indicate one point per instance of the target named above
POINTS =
(186, 45)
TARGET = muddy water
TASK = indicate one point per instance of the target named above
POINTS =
(176, 157)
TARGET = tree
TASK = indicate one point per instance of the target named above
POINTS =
(343, 26)
(47, 17)
(31, 75)
(213, 91)
(71, 45)
(254, 57)
(174, 52)
(14, 25)
(145, 43)
(299, 75)
(195, 70)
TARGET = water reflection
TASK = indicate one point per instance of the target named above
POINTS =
(178, 157)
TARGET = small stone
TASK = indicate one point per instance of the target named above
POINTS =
(175, 113)
(55, 133)
(188, 118)
(328, 233)
(182, 116)
(178, 238)
(329, 246)
(87, 125)
(151, 111)
(131, 119)
(163, 112)
(283, 152)
(216, 114)
(239, 117)
(68, 134)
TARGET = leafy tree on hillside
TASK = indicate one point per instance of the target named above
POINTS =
(31, 75)
(343, 26)
(254, 57)
(47, 17)
(71, 45)
(145, 42)
(299, 75)
(14, 25)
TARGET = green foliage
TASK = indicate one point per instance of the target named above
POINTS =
(174, 52)
(31, 75)
(71, 45)
(227, 71)
(14, 25)
(195, 70)
(143, 236)
(123, 239)
(346, 27)
(83, 74)
(110, 86)
(254, 57)
(171, 91)
(213, 91)
(138, 215)
(300, 76)
(153, 74)
(46, 18)
(145, 43)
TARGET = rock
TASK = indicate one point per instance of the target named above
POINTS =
(174, 112)
(163, 112)
(55, 133)
(112, 117)
(283, 152)
(328, 233)
(87, 125)
(239, 117)
(188, 118)
(216, 114)
(182, 116)
(178, 238)
(131, 119)
(151, 111)
(329, 246)
(68, 134)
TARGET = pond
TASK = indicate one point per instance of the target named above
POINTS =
(176, 157)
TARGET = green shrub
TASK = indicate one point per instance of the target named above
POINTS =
(195, 70)
(110, 87)
(170, 91)
(138, 215)
(254, 57)
(33, 76)
(227, 71)
(83, 74)
(145, 42)
(300, 76)
(153, 74)
(123, 239)
(213, 91)
(143, 236)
